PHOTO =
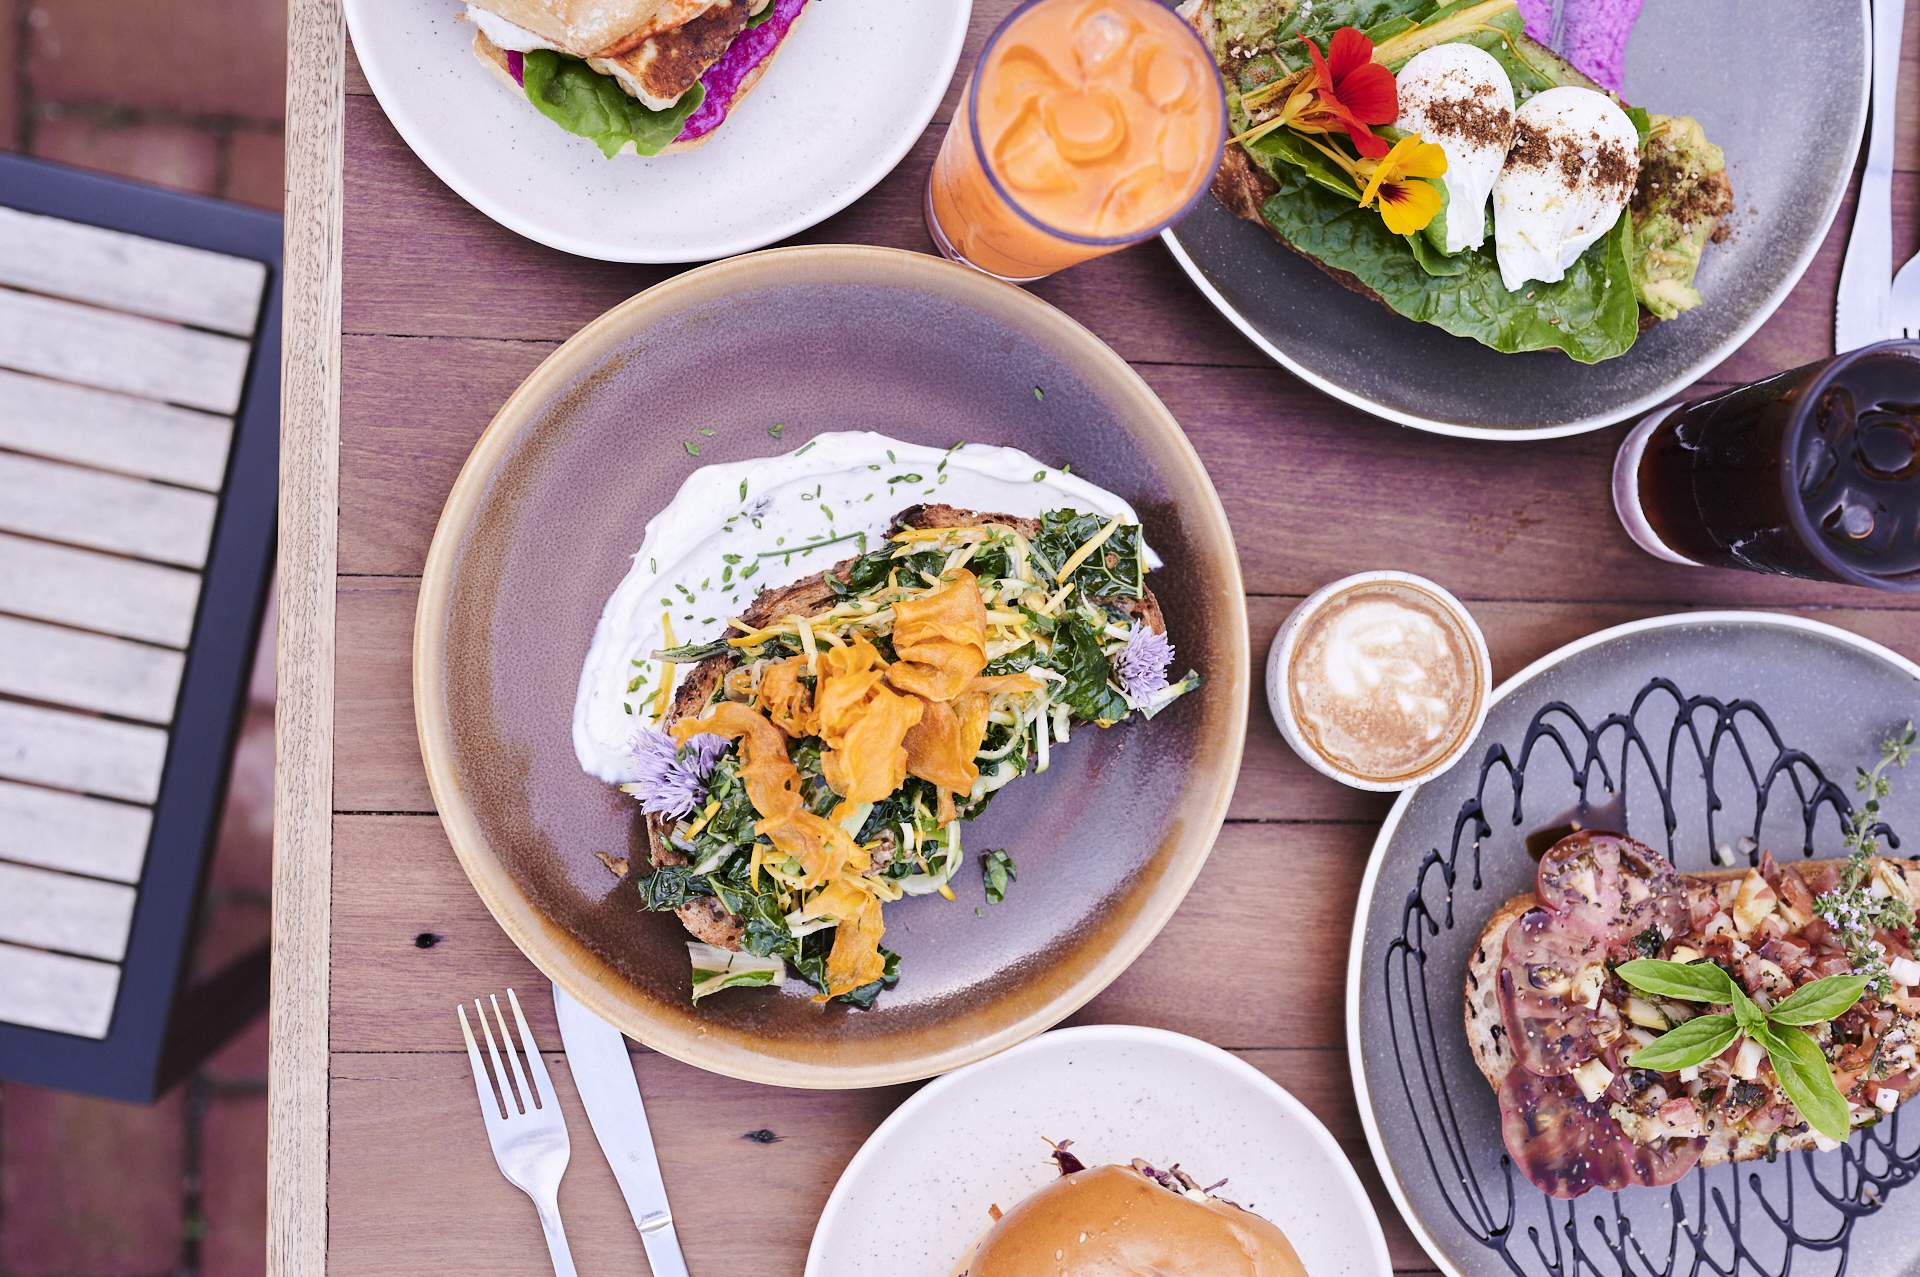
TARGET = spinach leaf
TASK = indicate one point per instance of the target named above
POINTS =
(1013, 662)
(1113, 570)
(670, 886)
(1591, 315)
(865, 574)
(687, 653)
(1077, 656)
(996, 871)
(581, 100)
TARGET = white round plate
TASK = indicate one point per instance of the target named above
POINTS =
(852, 88)
(918, 1192)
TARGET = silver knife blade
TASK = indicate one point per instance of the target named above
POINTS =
(1866, 272)
(603, 1075)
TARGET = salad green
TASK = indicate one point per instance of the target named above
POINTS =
(581, 100)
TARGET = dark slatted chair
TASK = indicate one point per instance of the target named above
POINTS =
(139, 418)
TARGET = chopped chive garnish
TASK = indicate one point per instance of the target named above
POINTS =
(693, 449)
(777, 429)
(805, 448)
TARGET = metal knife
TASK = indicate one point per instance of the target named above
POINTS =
(1866, 273)
(603, 1075)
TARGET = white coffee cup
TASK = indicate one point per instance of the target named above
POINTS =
(1280, 695)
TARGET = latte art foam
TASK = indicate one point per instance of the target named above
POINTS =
(1383, 680)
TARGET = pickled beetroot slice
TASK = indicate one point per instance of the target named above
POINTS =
(1552, 1032)
(1611, 884)
(1567, 1145)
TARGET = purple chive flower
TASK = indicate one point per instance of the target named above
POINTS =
(672, 779)
(1142, 664)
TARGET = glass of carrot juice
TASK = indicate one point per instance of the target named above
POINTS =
(1088, 125)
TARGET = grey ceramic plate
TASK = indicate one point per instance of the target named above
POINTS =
(1430, 1116)
(1790, 142)
(540, 528)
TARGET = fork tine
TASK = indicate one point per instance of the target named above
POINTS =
(534, 1062)
(489, 1103)
(529, 1101)
(512, 1102)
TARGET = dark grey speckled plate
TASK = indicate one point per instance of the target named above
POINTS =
(1790, 141)
(1430, 1116)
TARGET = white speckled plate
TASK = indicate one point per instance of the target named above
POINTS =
(852, 88)
(917, 1193)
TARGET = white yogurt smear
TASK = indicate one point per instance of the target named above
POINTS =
(770, 521)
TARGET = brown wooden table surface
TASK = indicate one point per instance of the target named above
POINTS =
(441, 313)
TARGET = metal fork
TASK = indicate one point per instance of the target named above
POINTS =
(527, 1130)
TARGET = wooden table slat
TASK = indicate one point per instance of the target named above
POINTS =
(89, 671)
(105, 511)
(50, 910)
(85, 754)
(56, 992)
(97, 591)
(114, 432)
(130, 273)
(72, 832)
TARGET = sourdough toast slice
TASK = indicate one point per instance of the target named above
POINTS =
(705, 917)
(1487, 1034)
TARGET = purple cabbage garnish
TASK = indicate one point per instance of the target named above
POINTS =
(517, 67)
(1141, 666)
(1594, 34)
(747, 52)
(672, 779)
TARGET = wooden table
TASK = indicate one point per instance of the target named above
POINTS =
(377, 1158)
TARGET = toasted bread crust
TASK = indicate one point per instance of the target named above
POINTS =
(1486, 1030)
(705, 917)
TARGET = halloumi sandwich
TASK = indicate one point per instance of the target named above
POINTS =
(643, 77)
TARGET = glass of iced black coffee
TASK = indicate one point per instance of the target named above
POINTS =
(1811, 473)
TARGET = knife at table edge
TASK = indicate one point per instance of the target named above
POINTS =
(603, 1076)
(1866, 269)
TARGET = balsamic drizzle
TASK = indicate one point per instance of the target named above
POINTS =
(1791, 1218)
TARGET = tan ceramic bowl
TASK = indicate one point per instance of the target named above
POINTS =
(546, 515)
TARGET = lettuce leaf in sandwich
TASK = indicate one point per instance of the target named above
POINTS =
(581, 100)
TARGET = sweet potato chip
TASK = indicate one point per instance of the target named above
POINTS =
(942, 746)
(940, 639)
(863, 723)
(772, 781)
(855, 958)
(786, 700)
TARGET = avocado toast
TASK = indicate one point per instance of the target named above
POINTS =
(818, 761)
(1630, 257)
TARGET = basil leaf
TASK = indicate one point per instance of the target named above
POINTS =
(1806, 1078)
(1695, 1042)
(1750, 1017)
(1686, 981)
(1820, 1001)
(581, 100)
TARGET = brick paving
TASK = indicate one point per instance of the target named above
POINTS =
(187, 94)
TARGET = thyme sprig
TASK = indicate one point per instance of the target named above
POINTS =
(1851, 909)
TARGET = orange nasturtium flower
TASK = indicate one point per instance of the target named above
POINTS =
(1346, 93)
(1406, 201)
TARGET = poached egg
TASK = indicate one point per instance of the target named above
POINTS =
(1565, 183)
(1459, 96)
